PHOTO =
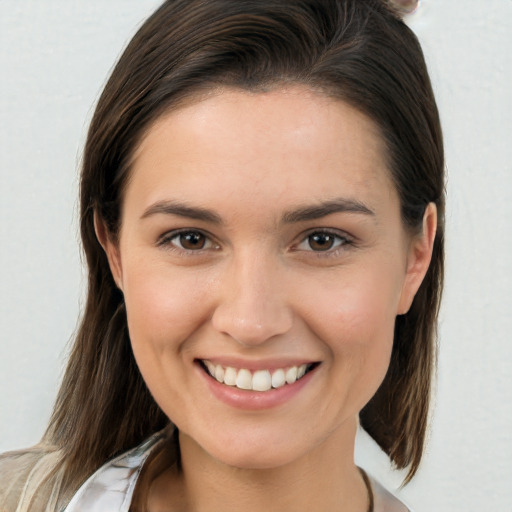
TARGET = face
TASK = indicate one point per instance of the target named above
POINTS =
(263, 262)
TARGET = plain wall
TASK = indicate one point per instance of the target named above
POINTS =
(55, 56)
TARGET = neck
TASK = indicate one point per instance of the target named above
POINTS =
(322, 480)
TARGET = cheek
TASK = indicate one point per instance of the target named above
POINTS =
(356, 322)
(163, 307)
(165, 310)
(364, 334)
(357, 309)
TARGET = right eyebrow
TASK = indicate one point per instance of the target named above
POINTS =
(182, 210)
(325, 208)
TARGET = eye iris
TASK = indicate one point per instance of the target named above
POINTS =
(192, 240)
(321, 241)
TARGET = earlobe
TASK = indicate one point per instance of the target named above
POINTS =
(419, 257)
(111, 249)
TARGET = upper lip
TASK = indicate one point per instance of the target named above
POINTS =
(260, 364)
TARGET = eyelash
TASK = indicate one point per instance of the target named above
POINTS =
(341, 241)
(166, 241)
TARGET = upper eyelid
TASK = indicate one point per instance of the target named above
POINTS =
(348, 242)
(169, 235)
(178, 231)
(173, 233)
(328, 231)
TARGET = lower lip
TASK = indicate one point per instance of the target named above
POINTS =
(254, 400)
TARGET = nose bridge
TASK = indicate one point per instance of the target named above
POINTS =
(252, 306)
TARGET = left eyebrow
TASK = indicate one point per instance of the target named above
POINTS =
(325, 208)
(182, 210)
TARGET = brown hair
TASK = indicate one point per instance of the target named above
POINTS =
(359, 51)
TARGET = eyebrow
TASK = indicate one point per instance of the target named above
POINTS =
(182, 210)
(339, 205)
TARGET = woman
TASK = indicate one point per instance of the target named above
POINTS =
(262, 214)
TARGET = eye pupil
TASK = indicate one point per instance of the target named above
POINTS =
(192, 240)
(321, 241)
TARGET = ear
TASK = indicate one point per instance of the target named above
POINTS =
(111, 249)
(418, 258)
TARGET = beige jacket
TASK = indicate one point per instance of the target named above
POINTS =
(29, 481)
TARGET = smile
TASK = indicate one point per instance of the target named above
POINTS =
(260, 380)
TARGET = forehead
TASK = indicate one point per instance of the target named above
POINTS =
(285, 142)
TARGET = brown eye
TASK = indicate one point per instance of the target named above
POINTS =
(321, 241)
(191, 240)
(187, 240)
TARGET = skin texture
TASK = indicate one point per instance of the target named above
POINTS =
(258, 291)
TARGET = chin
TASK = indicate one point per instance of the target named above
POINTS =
(257, 459)
(258, 451)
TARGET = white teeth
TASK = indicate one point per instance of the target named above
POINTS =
(244, 379)
(211, 367)
(278, 379)
(230, 376)
(260, 380)
(291, 375)
(219, 373)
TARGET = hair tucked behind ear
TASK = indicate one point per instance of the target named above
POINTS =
(356, 50)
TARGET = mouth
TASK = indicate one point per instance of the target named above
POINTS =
(260, 380)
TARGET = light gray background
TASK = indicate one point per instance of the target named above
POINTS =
(56, 54)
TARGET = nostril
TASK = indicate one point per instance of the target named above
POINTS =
(250, 327)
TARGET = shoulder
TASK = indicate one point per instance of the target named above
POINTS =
(34, 480)
(30, 479)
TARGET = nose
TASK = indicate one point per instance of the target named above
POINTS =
(252, 306)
